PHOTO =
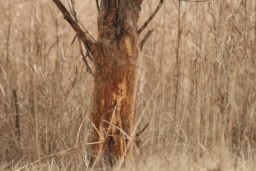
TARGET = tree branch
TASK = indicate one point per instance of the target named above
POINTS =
(160, 4)
(87, 40)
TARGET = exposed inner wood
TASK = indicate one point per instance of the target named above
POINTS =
(115, 78)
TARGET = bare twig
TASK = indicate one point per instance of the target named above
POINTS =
(88, 54)
(142, 130)
(87, 40)
(84, 58)
(160, 4)
(195, 0)
(96, 129)
(17, 119)
(79, 131)
(145, 39)
(179, 34)
(88, 68)
(55, 155)
(73, 12)
(120, 129)
(74, 39)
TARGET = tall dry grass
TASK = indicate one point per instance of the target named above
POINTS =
(196, 91)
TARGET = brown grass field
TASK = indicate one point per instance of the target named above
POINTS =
(197, 87)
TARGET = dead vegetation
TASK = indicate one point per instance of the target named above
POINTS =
(196, 88)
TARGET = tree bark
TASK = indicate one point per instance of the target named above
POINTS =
(115, 79)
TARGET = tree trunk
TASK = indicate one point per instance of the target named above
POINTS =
(115, 79)
(115, 56)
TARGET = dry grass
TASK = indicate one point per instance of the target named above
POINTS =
(197, 87)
